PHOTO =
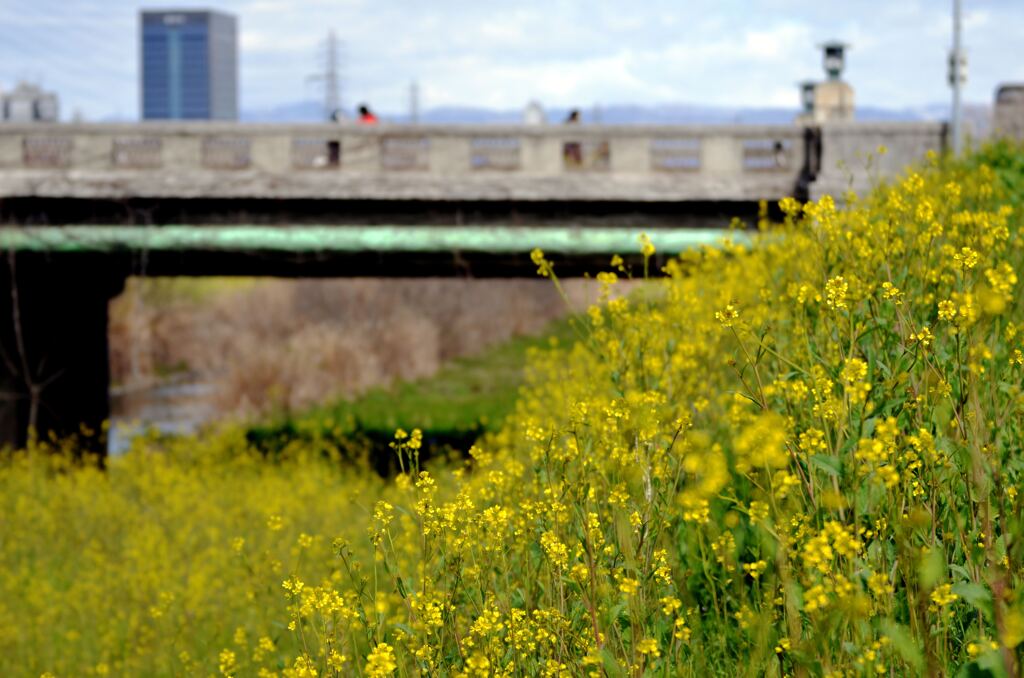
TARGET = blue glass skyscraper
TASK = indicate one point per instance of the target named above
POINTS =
(189, 65)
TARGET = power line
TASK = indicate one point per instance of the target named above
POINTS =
(957, 66)
(330, 75)
(332, 95)
(414, 102)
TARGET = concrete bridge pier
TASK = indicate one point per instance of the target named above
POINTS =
(54, 362)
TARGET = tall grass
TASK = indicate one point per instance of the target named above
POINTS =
(797, 457)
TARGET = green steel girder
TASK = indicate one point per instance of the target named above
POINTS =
(352, 239)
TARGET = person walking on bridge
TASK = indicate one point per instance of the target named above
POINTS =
(366, 116)
(572, 151)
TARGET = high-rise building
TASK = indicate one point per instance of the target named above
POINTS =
(189, 65)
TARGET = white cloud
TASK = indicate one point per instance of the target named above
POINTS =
(976, 19)
(253, 41)
(566, 52)
(776, 42)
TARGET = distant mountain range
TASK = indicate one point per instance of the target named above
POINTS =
(311, 111)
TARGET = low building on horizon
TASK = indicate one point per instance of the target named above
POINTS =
(29, 103)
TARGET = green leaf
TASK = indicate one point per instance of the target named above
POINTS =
(931, 569)
(991, 663)
(904, 643)
(977, 595)
(828, 463)
(611, 665)
(892, 405)
(404, 627)
(959, 570)
(941, 414)
(988, 665)
(618, 614)
(974, 670)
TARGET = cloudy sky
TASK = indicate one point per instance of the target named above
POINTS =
(503, 54)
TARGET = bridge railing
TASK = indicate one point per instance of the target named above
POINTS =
(471, 149)
(572, 162)
(856, 155)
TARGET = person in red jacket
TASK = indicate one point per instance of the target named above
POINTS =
(366, 116)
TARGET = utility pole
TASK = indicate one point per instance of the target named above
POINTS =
(414, 102)
(332, 96)
(957, 73)
(330, 76)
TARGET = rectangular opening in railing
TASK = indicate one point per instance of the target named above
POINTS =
(226, 152)
(675, 155)
(315, 153)
(405, 153)
(46, 151)
(767, 155)
(494, 153)
(587, 155)
(137, 152)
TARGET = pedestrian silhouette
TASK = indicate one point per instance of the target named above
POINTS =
(572, 151)
(366, 116)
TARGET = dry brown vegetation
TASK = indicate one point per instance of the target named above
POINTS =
(271, 345)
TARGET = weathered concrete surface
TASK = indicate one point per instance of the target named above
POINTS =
(352, 186)
(1008, 115)
(452, 163)
(401, 162)
(852, 156)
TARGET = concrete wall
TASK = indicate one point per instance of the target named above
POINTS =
(435, 162)
(833, 101)
(397, 161)
(851, 156)
(1008, 114)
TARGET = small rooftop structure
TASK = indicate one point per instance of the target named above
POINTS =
(832, 99)
(1008, 113)
(834, 58)
(534, 114)
(29, 103)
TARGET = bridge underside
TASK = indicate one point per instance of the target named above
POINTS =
(337, 251)
(283, 264)
(304, 211)
(54, 369)
(331, 237)
(56, 282)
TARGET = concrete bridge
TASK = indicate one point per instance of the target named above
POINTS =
(565, 164)
(84, 206)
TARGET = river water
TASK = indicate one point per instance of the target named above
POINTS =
(179, 406)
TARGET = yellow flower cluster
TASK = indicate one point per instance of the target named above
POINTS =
(793, 456)
(771, 434)
(171, 560)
